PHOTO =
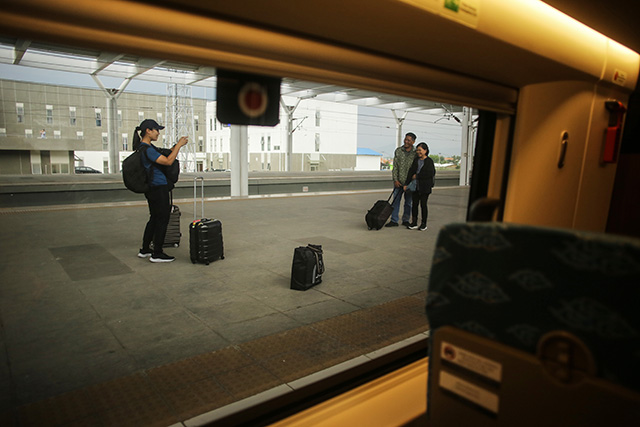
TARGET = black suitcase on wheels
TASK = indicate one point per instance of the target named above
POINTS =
(205, 241)
(205, 235)
(378, 215)
(172, 238)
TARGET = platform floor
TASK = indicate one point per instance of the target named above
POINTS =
(93, 335)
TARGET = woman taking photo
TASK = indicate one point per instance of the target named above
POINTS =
(423, 172)
(158, 194)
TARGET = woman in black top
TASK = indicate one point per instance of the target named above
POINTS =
(423, 171)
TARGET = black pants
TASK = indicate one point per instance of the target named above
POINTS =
(422, 199)
(159, 210)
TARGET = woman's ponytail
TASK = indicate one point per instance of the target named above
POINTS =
(136, 138)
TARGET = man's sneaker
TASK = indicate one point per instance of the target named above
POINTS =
(406, 223)
(412, 226)
(391, 224)
(161, 257)
(423, 227)
(145, 253)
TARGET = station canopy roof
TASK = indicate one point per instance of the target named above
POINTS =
(129, 67)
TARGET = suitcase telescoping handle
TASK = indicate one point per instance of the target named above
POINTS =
(391, 195)
(195, 187)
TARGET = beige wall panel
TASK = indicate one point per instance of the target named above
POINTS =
(540, 193)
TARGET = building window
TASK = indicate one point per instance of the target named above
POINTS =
(268, 143)
(317, 142)
(72, 116)
(317, 117)
(105, 141)
(120, 118)
(276, 148)
(159, 118)
(49, 114)
(200, 144)
(59, 168)
(105, 166)
(56, 134)
(140, 116)
(3, 132)
(98, 117)
(28, 133)
(43, 134)
(80, 134)
(215, 124)
(125, 142)
(20, 111)
(262, 143)
(196, 122)
(210, 124)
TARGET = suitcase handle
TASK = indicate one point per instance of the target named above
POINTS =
(390, 195)
(195, 182)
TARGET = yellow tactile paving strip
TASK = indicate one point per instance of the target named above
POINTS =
(176, 392)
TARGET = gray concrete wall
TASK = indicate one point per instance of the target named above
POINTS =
(33, 190)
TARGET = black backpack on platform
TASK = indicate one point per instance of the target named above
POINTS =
(307, 268)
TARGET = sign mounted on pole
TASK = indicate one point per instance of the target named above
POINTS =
(247, 99)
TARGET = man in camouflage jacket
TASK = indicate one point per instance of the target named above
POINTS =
(402, 161)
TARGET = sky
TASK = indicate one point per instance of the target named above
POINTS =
(377, 129)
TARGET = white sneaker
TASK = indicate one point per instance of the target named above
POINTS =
(422, 227)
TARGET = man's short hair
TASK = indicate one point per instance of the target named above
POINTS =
(412, 135)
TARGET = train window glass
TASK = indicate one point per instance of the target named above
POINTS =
(137, 317)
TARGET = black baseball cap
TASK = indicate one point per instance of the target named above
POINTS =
(149, 124)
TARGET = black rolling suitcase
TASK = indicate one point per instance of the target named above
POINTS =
(378, 215)
(172, 238)
(205, 235)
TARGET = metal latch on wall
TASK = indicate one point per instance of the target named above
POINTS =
(614, 131)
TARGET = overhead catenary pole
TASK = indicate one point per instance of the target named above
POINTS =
(289, 110)
(399, 121)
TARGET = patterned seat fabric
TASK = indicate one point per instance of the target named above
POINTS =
(514, 283)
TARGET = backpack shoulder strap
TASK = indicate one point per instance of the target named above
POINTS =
(317, 252)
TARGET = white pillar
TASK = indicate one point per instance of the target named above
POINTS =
(112, 120)
(466, 147)
(239, 161)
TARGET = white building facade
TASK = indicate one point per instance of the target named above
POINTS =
(324, 139)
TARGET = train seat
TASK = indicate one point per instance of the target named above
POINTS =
(533, 326)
